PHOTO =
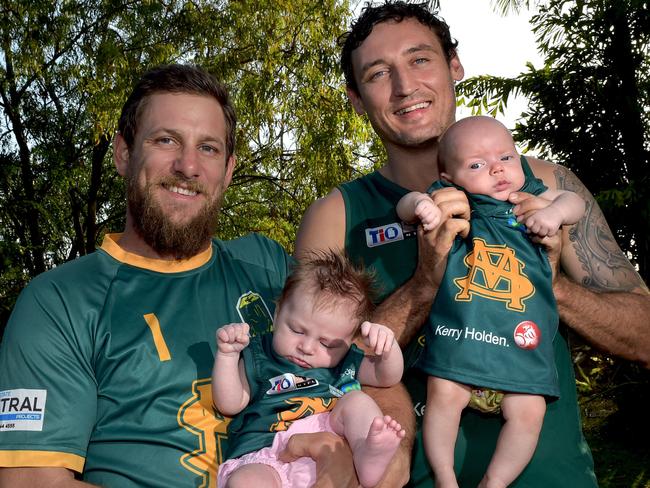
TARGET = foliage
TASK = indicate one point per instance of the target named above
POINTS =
(66, 67)
(589, 106)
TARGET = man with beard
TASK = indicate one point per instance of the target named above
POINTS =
(106, 361)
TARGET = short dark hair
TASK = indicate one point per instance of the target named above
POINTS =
(175, 78)
(333, 278)
(396, 11)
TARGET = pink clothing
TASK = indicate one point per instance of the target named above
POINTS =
(300, 473)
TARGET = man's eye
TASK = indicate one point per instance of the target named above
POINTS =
(421, 60)
(208, 149)
(377, 74)
(165, 140)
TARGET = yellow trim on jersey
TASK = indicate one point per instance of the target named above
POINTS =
(41, 459)
(158, 339)
(111, 246)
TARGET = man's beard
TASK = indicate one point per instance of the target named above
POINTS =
(167, 238)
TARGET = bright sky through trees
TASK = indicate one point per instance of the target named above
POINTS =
(491, 44)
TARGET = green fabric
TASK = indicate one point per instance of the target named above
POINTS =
(562, 457)
(494, 318)
(272, 410)
(79, 333)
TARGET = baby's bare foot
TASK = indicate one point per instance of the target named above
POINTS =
(372, 456)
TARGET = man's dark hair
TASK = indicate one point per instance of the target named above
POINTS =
(390, 11)
(175, 78)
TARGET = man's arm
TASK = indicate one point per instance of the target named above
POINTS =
(599, 295)
(406, 309)
(39, 477)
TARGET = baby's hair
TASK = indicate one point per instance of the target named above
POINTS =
(333, 279)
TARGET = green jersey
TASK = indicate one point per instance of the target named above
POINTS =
(494, 318)
(106, 362)
(375, 236)
(282, 392)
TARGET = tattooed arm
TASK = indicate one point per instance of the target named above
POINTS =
(599, 293)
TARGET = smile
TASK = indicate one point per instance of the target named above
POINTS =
(412, 108)
(182, 191)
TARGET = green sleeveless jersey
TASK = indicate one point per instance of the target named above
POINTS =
(494, 318)
(375, 236)
(106, 362)
(283, 392)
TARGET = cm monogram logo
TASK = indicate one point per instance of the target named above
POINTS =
(199, 417)
(495, 273)
(301, 407)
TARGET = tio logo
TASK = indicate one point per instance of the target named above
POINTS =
(527, 335)
(384, 234)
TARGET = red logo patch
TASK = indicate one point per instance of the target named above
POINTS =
(527, 335)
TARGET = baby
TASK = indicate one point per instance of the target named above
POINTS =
(305, 377)
(489, 339)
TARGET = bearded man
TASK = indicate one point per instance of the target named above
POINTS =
(106, 361)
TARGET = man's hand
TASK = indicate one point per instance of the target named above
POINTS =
(526, 205)
(333, 457)
(434, 245)
(553, 247)
(233, 338)
(377, 337)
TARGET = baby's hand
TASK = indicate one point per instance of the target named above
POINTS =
(378, 337)
(544, 222)
(232, 338)
(428, 212)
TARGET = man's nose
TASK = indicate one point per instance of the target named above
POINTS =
(403, 82)
(187, 162)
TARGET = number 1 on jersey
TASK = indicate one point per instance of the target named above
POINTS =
(158, 339)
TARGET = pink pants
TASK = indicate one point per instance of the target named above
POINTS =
(300, 473)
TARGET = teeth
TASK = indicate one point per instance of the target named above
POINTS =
(412, 107)
(182, 191)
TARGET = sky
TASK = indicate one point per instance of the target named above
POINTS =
(491, 44)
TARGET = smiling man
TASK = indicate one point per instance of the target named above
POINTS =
(174, 173)
(400, 65)
(106, 361)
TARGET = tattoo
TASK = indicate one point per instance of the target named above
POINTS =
(606, 266)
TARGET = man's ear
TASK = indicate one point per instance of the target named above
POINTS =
(355, 100)
(231, 162)
(120, 154)
(456, 68)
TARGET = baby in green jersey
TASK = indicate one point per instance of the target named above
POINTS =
(483, 347)
(305, 377)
